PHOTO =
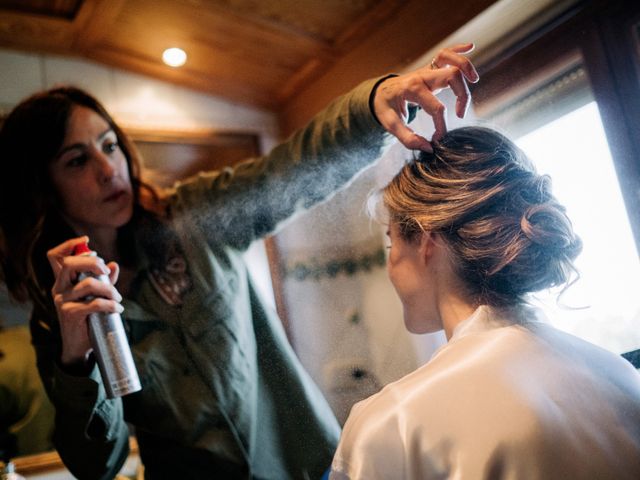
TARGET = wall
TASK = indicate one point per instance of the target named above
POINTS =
(135, 101)
(346, 321)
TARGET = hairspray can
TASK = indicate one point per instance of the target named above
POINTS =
(110, 345)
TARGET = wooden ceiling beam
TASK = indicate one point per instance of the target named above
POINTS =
(288, 31)
(414, 28)
(310, 70)
(317, 65)
(365, 24)
(32, 31)
(211, 16)
(94, 21)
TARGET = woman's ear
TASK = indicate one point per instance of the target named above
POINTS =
(427, 246)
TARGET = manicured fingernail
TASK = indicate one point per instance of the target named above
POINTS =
(462, 110)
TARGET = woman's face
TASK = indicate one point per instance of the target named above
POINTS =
(90, 175)
(408, 272)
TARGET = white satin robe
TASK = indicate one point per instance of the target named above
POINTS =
(508, 397)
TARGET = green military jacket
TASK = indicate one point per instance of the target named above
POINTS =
(223, 394)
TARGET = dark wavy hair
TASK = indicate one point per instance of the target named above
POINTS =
(507, 233)
(30, 138)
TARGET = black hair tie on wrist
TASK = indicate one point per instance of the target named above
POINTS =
(372, 95)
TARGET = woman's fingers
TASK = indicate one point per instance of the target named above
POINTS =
(90, 287)
(79, 311)
(449, 69)
(114, 272)
(394, 124)
(433, 107)
(454, 56)
(71, 266)
(57, 254)
(462, 47)
(460, 89)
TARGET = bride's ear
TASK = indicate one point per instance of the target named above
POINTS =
(428, 242)
(432, 244)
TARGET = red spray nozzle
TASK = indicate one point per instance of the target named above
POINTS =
(81, 248)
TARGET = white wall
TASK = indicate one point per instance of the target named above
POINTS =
(351, 322)
(135, 101)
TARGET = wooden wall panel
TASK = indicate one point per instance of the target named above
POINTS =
(395, 44)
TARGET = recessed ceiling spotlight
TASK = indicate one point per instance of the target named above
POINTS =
(174, 57)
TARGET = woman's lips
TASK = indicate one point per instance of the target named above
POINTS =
(115, 196)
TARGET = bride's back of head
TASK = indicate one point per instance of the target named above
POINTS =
(507, 234)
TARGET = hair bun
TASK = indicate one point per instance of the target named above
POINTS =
(547, 224)
(538, 189)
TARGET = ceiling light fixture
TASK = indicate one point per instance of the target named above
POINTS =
(174, 57)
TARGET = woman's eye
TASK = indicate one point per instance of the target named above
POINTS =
(110, 147)
(77, 161)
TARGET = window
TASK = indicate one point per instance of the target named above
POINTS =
(569, 100)
(573, 150)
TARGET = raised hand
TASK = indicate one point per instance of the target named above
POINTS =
(450, 68)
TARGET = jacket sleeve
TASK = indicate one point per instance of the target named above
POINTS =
(90, 433)
(235, 206)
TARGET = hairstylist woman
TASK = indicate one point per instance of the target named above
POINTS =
(223, 394)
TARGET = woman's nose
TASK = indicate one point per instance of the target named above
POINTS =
(105, 167)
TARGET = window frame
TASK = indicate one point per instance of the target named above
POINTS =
(603, 34)
(606, 36)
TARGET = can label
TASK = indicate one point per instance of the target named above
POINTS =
(120, 359)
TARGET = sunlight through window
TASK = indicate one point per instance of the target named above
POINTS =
(603, 306)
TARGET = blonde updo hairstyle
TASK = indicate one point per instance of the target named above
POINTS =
(507, 234)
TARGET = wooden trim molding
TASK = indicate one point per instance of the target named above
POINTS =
(51, 462)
